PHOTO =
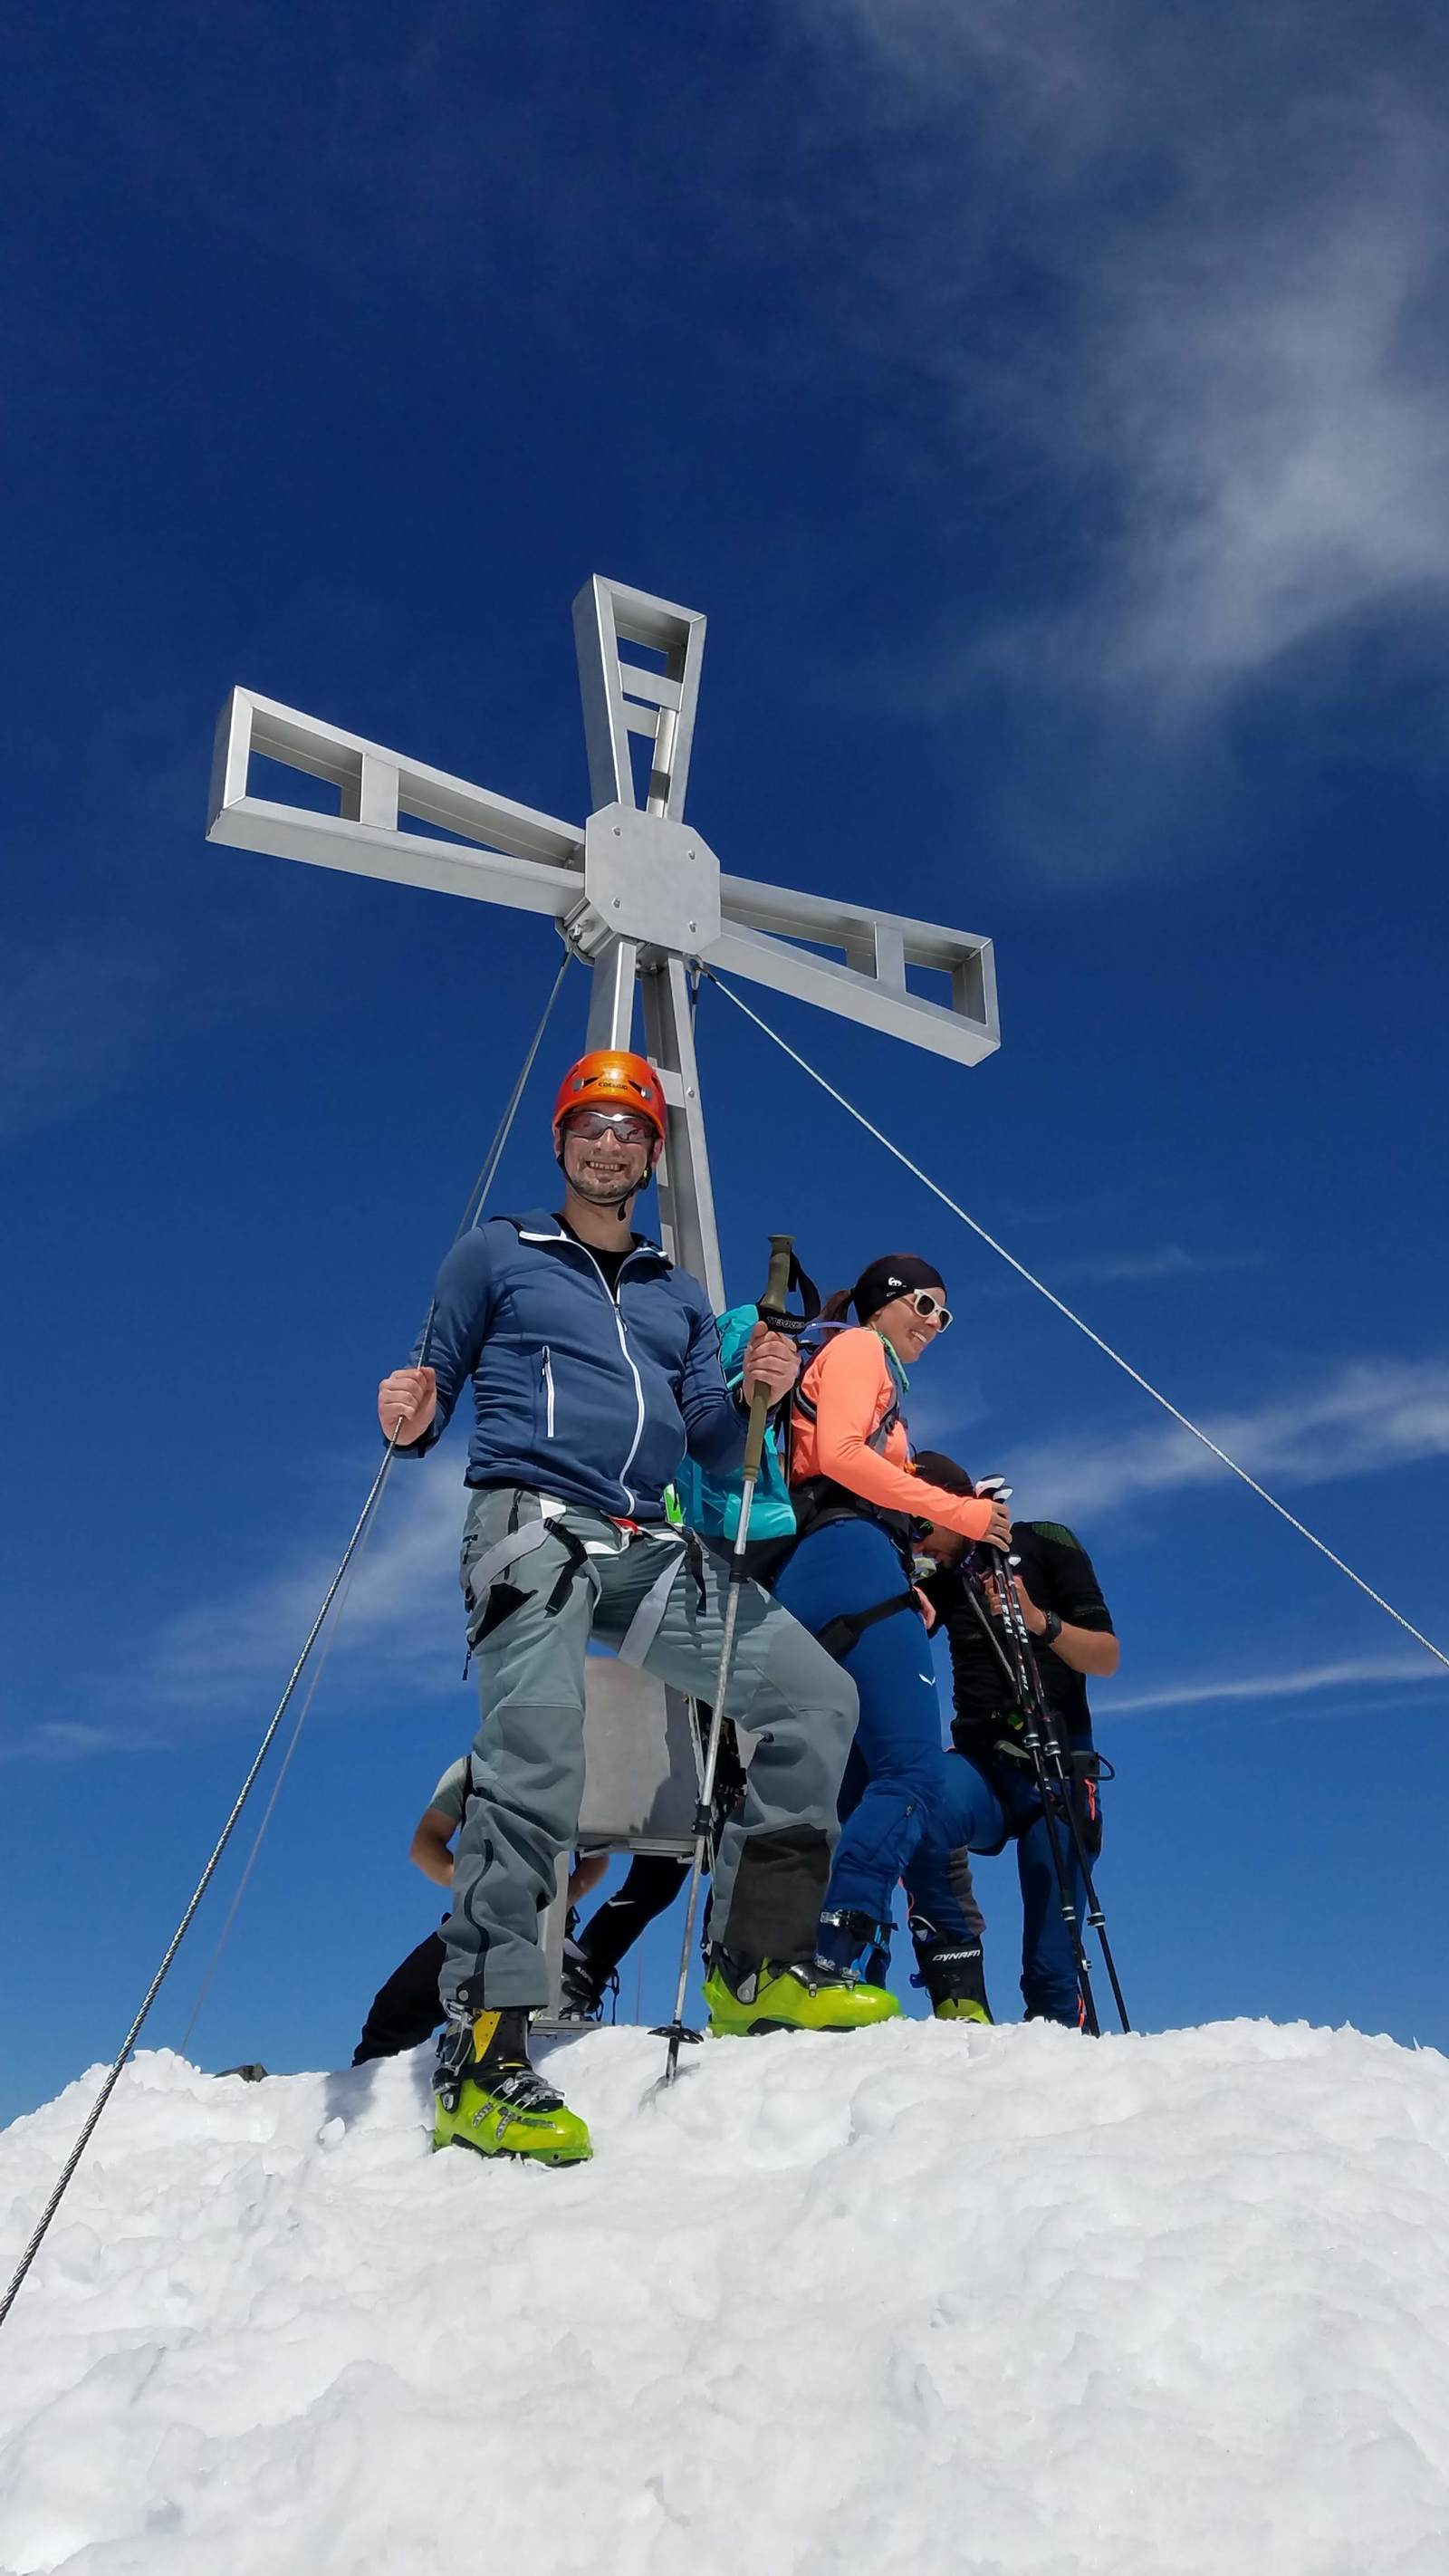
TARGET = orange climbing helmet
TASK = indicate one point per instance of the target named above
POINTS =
(611, 1078)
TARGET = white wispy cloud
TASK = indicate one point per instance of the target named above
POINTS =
(399, 1635)
(1226, 351)
(400, 1624)
(59, 1739)
(1352, 1673)
(394, 1634)
(1167, 1261)
(1364, 1420)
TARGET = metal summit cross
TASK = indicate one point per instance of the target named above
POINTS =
(637, 893)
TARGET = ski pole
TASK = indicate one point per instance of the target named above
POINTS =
(1024, 1682)
(1051, 1744)
(1030, 1706)
(1096, 1918)
(771, 1312)
(1062, 1762)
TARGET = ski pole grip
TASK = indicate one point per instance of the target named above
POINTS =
(771, 1311)
(777, 1286)
(755, 1436)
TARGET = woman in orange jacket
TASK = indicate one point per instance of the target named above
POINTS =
(849, 1580)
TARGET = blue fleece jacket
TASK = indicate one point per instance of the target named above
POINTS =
(577, 1392)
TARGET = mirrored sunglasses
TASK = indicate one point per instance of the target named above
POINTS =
(925, 1305)
(619, 1123)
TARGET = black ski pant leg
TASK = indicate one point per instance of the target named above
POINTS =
(854, 1785)
(963, 1888)
(653, 1881)
(405, 2011)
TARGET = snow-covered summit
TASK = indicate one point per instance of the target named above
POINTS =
(924, 2299)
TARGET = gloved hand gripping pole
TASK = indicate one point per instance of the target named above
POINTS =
(772, 1312)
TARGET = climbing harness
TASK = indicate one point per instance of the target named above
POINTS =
(490, 1599)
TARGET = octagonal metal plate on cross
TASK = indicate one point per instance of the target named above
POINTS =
(651, 880)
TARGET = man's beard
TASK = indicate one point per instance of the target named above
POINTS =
(605, 1190)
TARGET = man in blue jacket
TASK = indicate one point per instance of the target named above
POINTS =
(595, 1365)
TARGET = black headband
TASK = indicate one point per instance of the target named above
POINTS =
(940, 1470)
(889, 1277)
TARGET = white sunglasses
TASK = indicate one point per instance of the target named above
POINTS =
(922, 1303)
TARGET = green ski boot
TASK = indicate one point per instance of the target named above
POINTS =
(490, 2099)
(803, 1994)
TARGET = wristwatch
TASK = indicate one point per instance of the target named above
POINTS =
(1051, 1631)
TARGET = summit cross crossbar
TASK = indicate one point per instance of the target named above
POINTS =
(636, 892)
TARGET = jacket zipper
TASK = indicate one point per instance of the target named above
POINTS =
(548, 1391)
(612, 1295)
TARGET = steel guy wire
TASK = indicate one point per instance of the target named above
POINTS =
(1062, 1308)
(487, 1172)
(318, 1669)
(481, 1187)
(113, 2077)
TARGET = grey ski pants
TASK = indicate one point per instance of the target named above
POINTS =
(531, 1614)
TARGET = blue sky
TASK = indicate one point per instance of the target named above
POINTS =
(1047, 409)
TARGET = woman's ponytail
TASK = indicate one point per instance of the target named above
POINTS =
(836, 1306)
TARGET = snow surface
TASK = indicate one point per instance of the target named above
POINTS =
(926, 2299)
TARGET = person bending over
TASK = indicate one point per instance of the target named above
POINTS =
(1073, 1640)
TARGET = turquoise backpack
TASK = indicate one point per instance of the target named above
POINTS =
(711, 1504)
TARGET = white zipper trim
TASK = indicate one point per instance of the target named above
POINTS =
(548, 1391)
(629, 1498)
(527, 1236)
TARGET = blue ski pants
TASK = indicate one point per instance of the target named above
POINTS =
(1048, 1962)
(917, 1803)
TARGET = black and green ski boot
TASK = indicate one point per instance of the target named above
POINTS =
(490, 2099)
(954, 1976)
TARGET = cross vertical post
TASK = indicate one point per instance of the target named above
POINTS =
(625, 701)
